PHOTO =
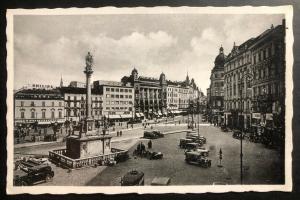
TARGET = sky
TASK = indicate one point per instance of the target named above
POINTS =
(47, 47)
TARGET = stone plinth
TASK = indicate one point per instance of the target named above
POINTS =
(87, 146)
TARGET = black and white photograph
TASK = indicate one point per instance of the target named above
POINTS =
(149, 100)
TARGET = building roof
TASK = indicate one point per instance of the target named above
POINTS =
(40, 94)
(77, 90)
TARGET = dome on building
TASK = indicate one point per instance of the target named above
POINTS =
(220, 59)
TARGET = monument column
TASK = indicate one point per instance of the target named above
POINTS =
(89, 121)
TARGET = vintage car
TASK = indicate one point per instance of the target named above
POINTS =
(155, 155)
(192, 146)
(238, 135)
(202, 151)
(122, 157)
(196, 158)
(183, 142)
(150, 135)
(39, 173)
(133, 178)
(196, 138)
(153, 134)
(158, 133)
(161, 181)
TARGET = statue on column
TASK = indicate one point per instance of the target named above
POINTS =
(89, 61)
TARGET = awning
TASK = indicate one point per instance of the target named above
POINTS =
(126, 116)
(44, 123)
(114, 116)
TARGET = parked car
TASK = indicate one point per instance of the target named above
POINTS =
(155, 155)
(150, 135)
(238, 135)
(192, 146)
(196, 158)
(158, 133)
(202, 151)
(39, 173)
(122, 157)
(183, 142)
(133, 178)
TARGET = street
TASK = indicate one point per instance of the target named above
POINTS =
(261, 165)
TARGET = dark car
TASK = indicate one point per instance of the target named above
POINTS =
(196, 158)
(183, 142)
(122, 157)
(238, 135)
(39, 173)
(158, 133)
(133, 178)
(150, 135)
(155, 155)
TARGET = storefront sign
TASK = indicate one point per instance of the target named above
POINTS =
(269, 116)
(256, 115)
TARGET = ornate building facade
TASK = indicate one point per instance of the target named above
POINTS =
(215, 92)
(38, 106)
(254, 83)
(154, 97)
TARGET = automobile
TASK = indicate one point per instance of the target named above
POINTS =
(161, 181)
(150, 135)
(155, 155)
(33, 175)
(192, 146)
(238, 135)
(202, 151)
(122, 157)
(133, 178)
(196, 158)
(183, 142)
(196, 138)
(158, 133)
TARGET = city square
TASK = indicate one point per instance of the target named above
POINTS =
(166, 104)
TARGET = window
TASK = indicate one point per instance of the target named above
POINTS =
(59, 104)
(52, 114)
(264, 54)
(117, 89)
(121, 90)
(107, 96)
(126, 90)
(69, 98)
(112, 96)
(107, 89)
(52, 104)
(117, 96)
(112, 89)
(129, 90)
(32, 114)
(22, 103)
(60, 114)
(22, 115)
(32, 103)
(121, 96)
(130, 96)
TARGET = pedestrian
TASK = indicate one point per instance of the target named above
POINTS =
(149, 144)
(117, 133)
(127, 125)
(120, 133)
(132, 125)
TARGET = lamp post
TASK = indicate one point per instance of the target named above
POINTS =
(249, 78)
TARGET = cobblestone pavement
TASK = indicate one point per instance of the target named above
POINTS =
(261, 165)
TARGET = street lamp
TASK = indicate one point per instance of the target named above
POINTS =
(249, 78)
